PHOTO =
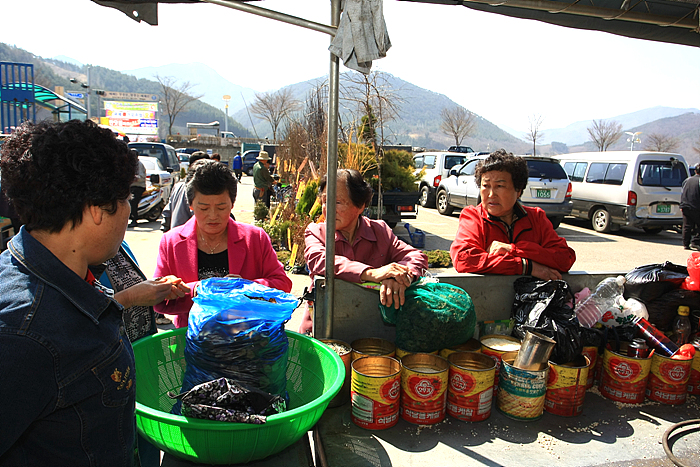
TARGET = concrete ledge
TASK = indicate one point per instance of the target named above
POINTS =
(356, 312)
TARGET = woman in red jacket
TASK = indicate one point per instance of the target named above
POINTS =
(500, 235)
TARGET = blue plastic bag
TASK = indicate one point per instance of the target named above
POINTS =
(236, 331)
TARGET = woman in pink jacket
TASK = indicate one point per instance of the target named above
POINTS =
(211, 244)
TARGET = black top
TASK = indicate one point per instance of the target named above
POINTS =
(215, 265)
(690, 197)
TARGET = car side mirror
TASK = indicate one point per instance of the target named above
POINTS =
(170, 169)
(155, 179)
(453, 172)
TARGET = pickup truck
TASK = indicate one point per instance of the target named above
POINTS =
(437, 167)
(398, 206)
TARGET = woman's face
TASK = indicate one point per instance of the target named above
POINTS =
(346, 213)
(212, 212)
(498, 195)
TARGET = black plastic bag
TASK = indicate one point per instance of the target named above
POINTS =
(649, 282)
(664, 309)
(225, 401)
(540, 306)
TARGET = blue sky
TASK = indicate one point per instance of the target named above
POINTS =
(504, 69)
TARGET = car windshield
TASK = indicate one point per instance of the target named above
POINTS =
(451, 161)
(150, 164)
(662, 173)
(546, 170)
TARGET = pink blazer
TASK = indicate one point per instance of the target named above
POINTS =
(250, 255)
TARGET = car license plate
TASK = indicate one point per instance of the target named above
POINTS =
(544, 193)
(663, 208)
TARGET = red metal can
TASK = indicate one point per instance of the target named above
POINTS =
(638, 348)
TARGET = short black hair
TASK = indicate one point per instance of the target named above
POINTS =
(197, 156)
(209, 177)
(52, 171)
(503, 161)
(359, 190)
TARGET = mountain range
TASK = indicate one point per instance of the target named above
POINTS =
(418, 123)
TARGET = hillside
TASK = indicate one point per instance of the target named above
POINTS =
(418, 123)
(51, 73)
(577, 133)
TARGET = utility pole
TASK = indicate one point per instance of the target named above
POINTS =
(226, 99)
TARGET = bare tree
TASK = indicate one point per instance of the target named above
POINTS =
(534, 132)
(176, 96)
(604, 133)
(275, 107)
(457, 122)
(661, 143)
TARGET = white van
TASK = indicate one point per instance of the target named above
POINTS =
(634, 188)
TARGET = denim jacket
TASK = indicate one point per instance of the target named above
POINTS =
(67, 387)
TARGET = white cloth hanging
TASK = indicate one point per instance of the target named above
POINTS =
(362, 35)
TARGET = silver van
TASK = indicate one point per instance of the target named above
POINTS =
(626, 188)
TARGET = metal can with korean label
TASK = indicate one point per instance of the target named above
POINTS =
(638, 348)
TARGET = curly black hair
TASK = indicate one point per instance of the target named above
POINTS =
(503, 161)
(52, 171)
(359, 190)
(210, 177)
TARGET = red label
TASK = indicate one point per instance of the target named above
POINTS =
(462, 383)
(553, 376)
(391, 389)
(625, 369)
(673, 371)
(424, 388)
(607, 317)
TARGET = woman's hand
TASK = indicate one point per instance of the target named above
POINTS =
(396, 271)
(392, 292)
(499, 248)
(545, 273)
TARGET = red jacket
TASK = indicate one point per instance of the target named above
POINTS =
(532, 238)
(250, 255)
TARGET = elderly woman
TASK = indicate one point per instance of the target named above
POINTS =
(365, 250)
(211, 244)
(500, 235)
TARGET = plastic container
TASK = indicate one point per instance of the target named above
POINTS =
(681, 326)
(591, 309)
(315, 374)
(417, 236)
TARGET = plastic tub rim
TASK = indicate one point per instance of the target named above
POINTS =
(287, 416)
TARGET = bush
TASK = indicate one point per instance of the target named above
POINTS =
(260, 212)
(398, 172)
(438, 258)
(283, 256)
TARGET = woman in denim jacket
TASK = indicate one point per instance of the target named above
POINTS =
(68, 387)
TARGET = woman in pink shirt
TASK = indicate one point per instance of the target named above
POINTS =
(211, 244)
(366, 250)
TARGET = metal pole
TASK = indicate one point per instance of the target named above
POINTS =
(283, 17)
(88, 92)
(226, 121)
(331, 171)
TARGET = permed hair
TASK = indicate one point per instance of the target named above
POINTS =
(359, 190)
(502, 161)
(209, 177)
(51, 172)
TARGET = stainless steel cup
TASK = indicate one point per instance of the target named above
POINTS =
(534, 352)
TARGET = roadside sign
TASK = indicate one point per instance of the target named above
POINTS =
(130, 96)
(76, 95)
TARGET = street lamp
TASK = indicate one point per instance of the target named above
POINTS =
(634, 138)
(87, 90)
(226, 99)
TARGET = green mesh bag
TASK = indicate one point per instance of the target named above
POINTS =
(434, 316)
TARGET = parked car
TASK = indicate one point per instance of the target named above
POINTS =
(437, 166)
(158, 187)
(463, 149)
(187, 150)
(184, 160)
(164, 152)
(548, 188)
(635, 188)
